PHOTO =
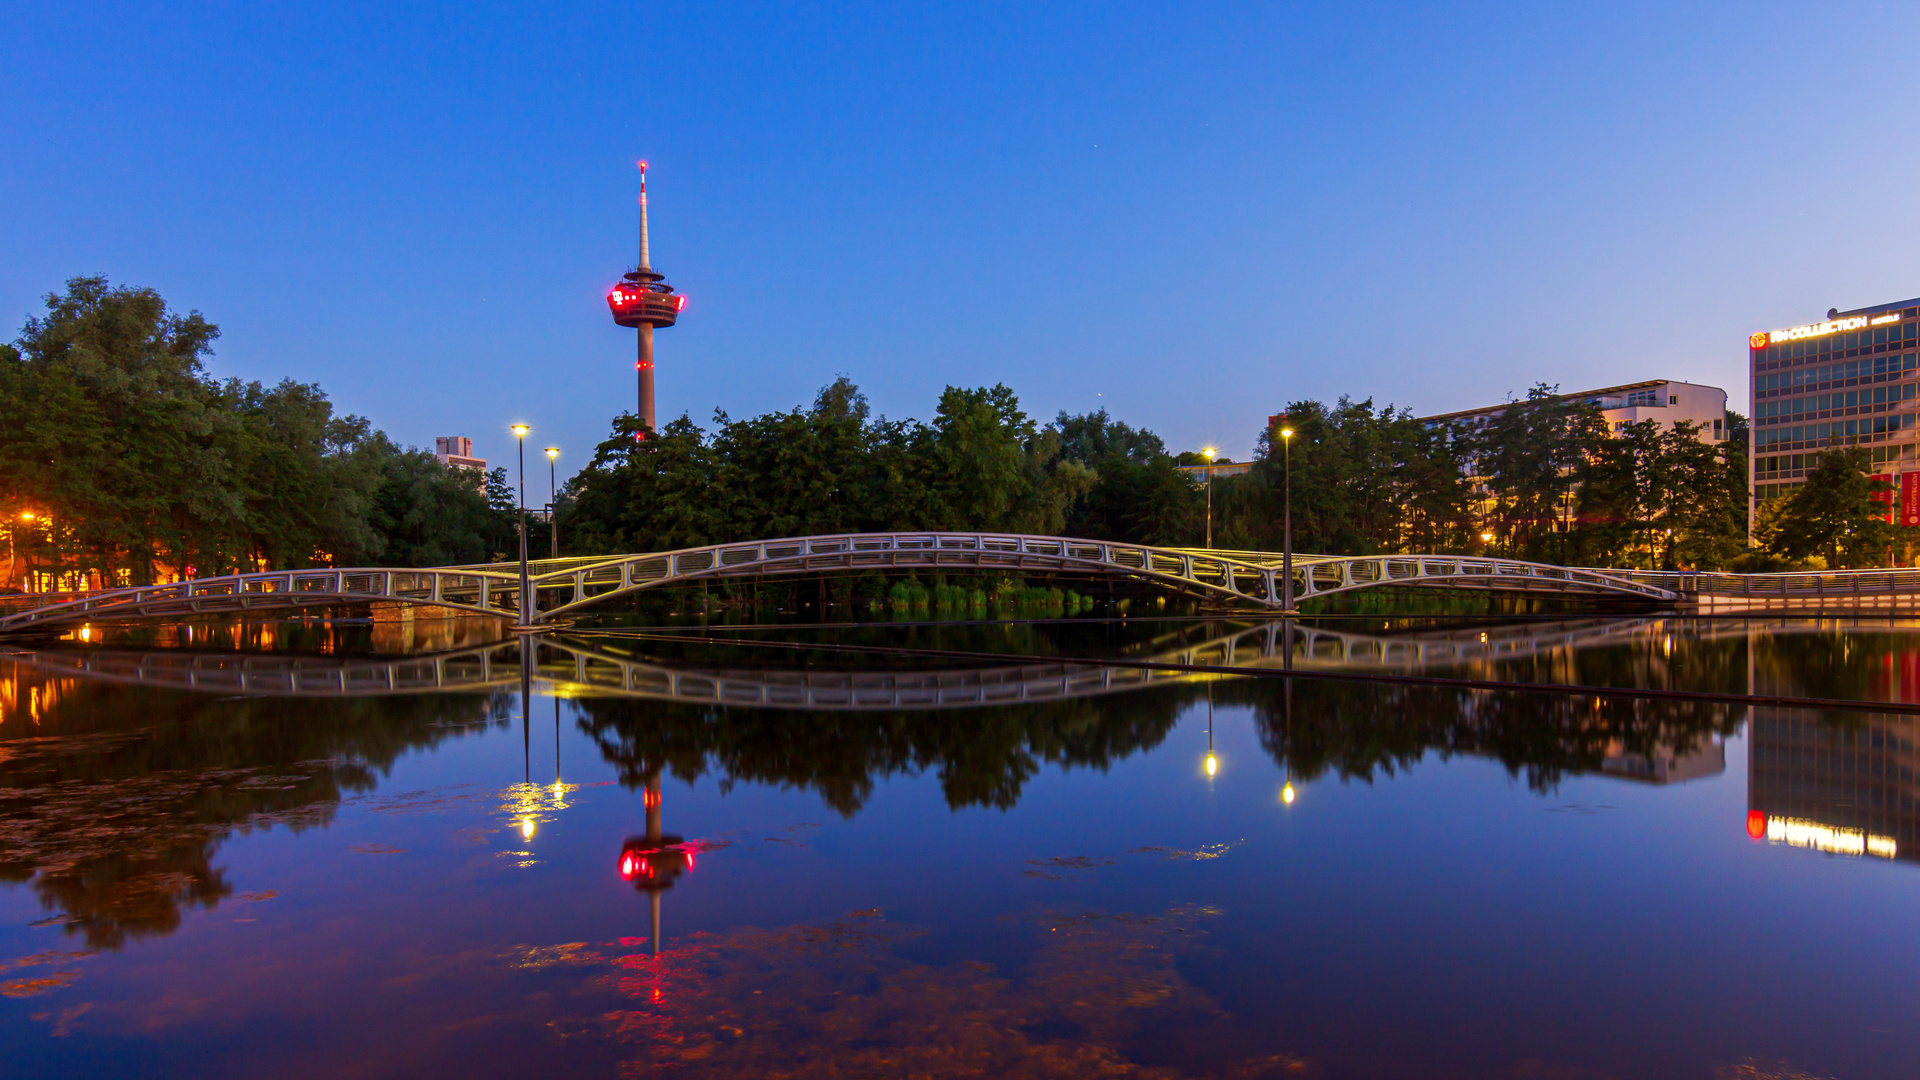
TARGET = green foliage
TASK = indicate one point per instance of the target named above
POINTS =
(981, 465)
(1834, 514)
(138, 465)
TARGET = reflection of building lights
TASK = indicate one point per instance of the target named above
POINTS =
(86, 633)
(1287, 795)
(1756, 825)
(526, 828)
(1799, 832)
(1213, 765)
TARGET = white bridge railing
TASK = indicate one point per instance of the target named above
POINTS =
(564, 586)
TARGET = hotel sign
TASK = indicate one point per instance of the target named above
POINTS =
(1764, 338)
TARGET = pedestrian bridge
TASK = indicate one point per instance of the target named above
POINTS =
(564, 587)
(623, 667)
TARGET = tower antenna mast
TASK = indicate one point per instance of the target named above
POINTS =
(644, 300)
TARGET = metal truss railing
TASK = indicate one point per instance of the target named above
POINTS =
(576, 666)
(1819, 584)
(565, 586)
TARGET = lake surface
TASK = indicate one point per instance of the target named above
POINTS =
(325, 849)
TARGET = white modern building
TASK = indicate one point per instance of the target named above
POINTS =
(1668, 401)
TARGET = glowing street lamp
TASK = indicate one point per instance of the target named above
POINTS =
(1208, 453)
(526, 600)
(1286, 485)
(553, 501)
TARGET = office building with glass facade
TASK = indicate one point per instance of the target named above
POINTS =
(1848, 380)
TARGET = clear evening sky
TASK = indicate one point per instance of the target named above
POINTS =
(1187, 214)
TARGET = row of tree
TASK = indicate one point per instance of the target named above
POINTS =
(121, 459)
(1544, 480)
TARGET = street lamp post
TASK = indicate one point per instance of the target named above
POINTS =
(553, 501)
(1208, 454)
(526, 588)
(1286, 529)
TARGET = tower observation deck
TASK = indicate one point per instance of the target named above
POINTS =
(644, 300)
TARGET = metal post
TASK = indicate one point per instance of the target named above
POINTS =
(1286, 558)
(526, 585)
(1209, 505)
(553, 500)
(526, 701)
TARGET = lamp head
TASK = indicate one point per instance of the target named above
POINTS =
(552, 452)
(520, 431)
(1208, 453)
(1286, 433)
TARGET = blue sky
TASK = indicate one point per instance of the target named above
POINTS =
(1186, 214)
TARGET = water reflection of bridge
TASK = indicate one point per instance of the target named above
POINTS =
(621, 666)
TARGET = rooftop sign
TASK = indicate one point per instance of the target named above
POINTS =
(1764, 338)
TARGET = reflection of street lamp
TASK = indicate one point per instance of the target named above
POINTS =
(1208, 454)
(1213, 763)
(520, 437)
(1286, 792)
(553, 501)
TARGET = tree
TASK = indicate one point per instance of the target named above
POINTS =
(1834, 513)
(1526, 458)
(135, 462)
(109, 428)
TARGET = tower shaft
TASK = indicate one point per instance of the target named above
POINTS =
(644, 366)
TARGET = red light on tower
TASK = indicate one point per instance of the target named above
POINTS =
(645, 302)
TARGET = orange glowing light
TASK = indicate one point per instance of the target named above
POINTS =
(1758, 340)
(1756, 825)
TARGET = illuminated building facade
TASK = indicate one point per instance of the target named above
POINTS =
(1848, 379)
(1841, 789)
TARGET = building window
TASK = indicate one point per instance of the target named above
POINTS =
(1673, 399)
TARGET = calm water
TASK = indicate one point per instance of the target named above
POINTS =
(864, 863)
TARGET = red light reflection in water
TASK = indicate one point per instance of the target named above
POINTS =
(1756, 825)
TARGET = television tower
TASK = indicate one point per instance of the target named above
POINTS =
(644, 300)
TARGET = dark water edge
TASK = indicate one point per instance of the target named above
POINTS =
(428, 877)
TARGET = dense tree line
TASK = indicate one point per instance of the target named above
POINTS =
(135, 464)
(122, 459)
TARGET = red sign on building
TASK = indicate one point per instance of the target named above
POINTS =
(1910, 498)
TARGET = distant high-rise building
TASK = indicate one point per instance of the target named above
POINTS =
(1847, 380)
(457, 450)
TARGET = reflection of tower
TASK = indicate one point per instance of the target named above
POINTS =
(644, 300)
(654, 861)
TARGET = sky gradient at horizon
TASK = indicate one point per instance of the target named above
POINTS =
(1186, 216)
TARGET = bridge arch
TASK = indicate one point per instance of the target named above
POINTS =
(566, 586)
